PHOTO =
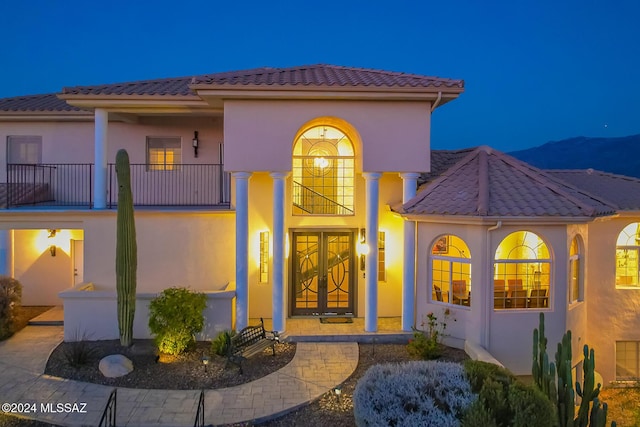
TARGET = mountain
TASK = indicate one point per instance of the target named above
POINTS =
(615, 155)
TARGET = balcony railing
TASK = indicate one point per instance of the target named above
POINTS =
(204, 185)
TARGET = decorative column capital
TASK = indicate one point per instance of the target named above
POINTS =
(409, 176)
(241, 175)
(279, 174)
(374, 176)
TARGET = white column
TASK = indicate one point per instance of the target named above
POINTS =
(278, 294)
(371, 270)
(5, 252)
(100, 159)
(409, 186)
(242, 248)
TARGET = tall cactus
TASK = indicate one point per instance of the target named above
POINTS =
(126, 251)
(543, 372)
(589, 392)
(566, 395)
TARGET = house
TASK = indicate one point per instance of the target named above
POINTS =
(308, 191)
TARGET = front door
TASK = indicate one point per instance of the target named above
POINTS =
(323, 272)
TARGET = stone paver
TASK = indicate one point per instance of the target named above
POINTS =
(315, 369)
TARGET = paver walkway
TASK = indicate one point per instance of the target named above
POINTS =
(315, 369)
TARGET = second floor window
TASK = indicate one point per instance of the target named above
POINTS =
(24, 149)
(163, 153)
(323, 173)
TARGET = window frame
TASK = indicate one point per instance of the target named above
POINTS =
(576, 259)
(634, 248)
(166, 140)
(443, 256)
(637, 362)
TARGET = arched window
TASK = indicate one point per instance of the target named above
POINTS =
(451, 271)
(575, 271)
(323, 173)
(627, 248)
(521, 272)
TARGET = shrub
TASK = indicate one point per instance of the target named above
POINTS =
(413, 393)
(175, 316)
(10, 298)
(220, 345)
(78, 352)
(503, 400)
(426, 343)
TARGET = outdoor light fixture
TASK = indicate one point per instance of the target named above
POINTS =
(338, 392)
(52, 233)
(205, 361)
(363, 249)
(52, 250)
(195, 143)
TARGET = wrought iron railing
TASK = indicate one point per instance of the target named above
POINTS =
(199, 422)
(315, 203)
(109, 415)
(60, 184)
(178, 185)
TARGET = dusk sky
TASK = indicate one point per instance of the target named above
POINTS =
(534, 70)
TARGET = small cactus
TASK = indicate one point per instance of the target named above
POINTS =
(126, 251)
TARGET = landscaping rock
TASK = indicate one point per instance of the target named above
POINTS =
(115, 365)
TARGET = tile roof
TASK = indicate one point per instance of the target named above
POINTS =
(619, 190)
(484, 182)
(312, 75)
(36, 103)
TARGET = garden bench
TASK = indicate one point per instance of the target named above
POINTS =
(250, 341)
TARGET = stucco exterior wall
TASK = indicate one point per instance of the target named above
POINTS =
(259, 135)
(577, 311)
(613, 312)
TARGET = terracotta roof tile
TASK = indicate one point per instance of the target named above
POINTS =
(312, 75)
(462, 180)
(35, 103)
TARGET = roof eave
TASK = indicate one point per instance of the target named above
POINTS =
(23, 116)
(509, 220)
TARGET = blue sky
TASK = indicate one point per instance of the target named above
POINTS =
(535, 70)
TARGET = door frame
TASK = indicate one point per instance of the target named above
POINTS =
(353, 272)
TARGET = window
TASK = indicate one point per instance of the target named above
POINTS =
(451, 271)
(627, 360)
(382, 269)
(163, 154)
(521, 272)
(575, 271)
(627, 248)
(24, 149)
(323, 173)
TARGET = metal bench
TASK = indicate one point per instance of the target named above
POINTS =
(250, 341)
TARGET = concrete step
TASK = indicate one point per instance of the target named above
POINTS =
(379, 338)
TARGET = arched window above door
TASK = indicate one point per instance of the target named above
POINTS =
(323, 172)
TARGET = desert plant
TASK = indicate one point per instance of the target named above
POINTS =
(10, 298)
(221, 343)
(413, 393)
(427, 342)
(503, 400)
(79, 351)
(126, 251)
(175, 316)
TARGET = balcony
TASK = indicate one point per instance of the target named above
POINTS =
(71, 185)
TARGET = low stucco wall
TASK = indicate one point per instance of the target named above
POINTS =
(91, 313)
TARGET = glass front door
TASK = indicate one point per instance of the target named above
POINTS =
(323, 265)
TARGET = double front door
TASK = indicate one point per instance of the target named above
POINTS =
(323, 272)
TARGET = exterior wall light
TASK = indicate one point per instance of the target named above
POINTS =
(52, 234)
(195, 143)
(52, 250)
(363, 248)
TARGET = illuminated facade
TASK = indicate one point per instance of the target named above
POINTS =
(281, 199)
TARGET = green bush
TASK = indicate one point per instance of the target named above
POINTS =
(10, 298)
(175, 316)
(426, 343)
(503, 400)
(221, 343)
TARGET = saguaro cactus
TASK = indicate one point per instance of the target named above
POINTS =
(126, 251)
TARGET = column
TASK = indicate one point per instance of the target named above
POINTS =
(101, 121)
(242, 248)
(278, 292)
(409, 186)
(371, 270)
(5, 252)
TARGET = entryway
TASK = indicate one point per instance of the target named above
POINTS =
(323, 272)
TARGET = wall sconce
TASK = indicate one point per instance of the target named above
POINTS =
(52, 250)
(363, 248)
(52, 233)
(195, 143)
